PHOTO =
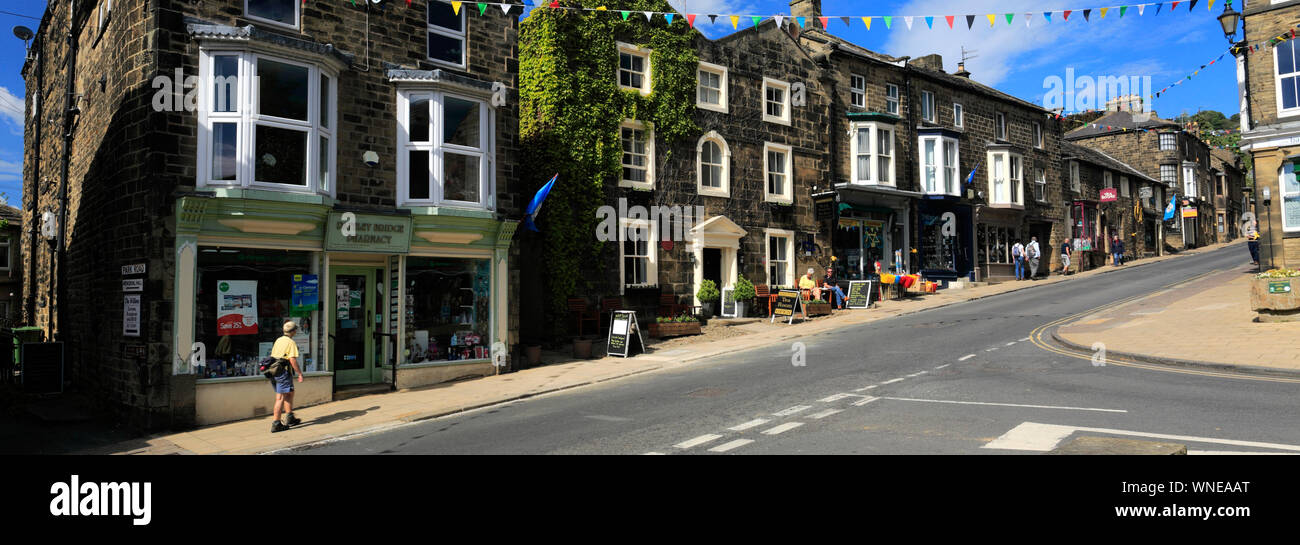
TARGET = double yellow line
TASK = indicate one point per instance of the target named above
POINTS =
(1038, 334)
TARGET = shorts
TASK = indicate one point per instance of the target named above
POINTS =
(283, 383)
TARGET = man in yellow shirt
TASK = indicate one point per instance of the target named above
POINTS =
(285, 349)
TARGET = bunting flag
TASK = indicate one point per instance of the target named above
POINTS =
(888, 22)
(649, 16)
(1122, 10)
(668, 17)
(756, 20)
(908, 20)
(867, 20)
(624, 15)
(848, 21)
(1009, 17)
(713, 19)
(1141, 9)
(970, 20)
(690, 20)
(799, 20)
(1067, 15)
(780, 20)
(1211, 8)
(505, 8)
(1028, 16)
(1047, 15)
(949, 18)
(481, 8)
(1103, 12)
(992, 18)
(455, 8)
(1086, 13)
(1192, 5)
(825, 22)
(735, 19)
(929, 22)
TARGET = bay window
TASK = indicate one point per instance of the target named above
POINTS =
(1006, 178)
(873, 153)
(445, 155)
(266, 123)
(939, 164)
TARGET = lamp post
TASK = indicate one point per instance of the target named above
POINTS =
(1229, 20)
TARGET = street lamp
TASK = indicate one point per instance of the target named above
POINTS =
(1228, 20)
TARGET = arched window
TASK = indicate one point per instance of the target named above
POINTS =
(713, 166)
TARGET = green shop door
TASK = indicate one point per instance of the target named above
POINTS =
(352, 324)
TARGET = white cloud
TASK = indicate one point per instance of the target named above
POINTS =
(12, 108)
(11, 171)
(721, 8)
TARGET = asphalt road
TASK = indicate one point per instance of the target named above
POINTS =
(963, 379)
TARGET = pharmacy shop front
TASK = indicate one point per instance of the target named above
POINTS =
(374, 294)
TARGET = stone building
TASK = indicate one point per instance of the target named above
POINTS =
(11, 265)
(1270, 123)
(906, 136)
(746, 176)
(234, 164)
(1228, 182)
(1097, 215)
(1162, 150)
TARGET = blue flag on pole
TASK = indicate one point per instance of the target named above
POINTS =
(971, 177)
(1169, 210)
(535, 207)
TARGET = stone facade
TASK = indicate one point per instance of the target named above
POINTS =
(1229, 181)
(1095, 223)
(130, 163)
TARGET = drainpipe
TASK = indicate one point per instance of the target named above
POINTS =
(70, 102)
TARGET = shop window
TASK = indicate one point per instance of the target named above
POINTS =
(446, 143)
(714, 166)
(446, 31)
(711, 93)
(638, 140)
(244, 298)
(279, 12)
(276, 134)
(776, 101)
(994, 244)
(777, 169)
(634, 68)
(448, 309)
(940, 249)
(873, 153)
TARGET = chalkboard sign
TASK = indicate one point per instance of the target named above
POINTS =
(788, 302)
(728, 302)
(859, 294)
(42, 368)
(824, 209)
(624, 334)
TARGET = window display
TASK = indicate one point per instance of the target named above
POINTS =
(448, 309)
(940, 249)
(244, 298)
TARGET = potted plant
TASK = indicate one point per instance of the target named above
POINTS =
(582, 348)
(672, 327)
(708, 295)
(744, 294)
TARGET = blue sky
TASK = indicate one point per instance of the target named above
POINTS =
(1013, 58)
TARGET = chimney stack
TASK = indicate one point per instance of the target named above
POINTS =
(806, 8)
(961, 71)
(932, 61)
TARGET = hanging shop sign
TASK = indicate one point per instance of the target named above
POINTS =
(236, 307)
(1109, 195)
(368, 233)
(1189, 212)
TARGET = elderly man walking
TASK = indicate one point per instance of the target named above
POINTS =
(285, 348)
(1033, 252)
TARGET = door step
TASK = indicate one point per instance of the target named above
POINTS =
(349, 392)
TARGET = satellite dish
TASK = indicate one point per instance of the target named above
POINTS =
(23, 33)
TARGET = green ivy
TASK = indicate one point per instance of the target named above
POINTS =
(570, 111)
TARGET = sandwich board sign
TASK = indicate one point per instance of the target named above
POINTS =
(859, 295)
(623, 334)
(788, 302)
(728, 302)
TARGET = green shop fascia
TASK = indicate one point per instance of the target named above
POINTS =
(422, 290)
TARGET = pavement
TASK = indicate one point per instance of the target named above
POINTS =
(343, 420)
(1206, 322)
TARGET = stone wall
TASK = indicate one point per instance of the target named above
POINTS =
(1261, 23)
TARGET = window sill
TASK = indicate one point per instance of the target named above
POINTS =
(776, 120)
(706, 192)
(265, 194)
(639, 186)
(638, 91)
(722, 109)
(779, 202)
(1007, 206)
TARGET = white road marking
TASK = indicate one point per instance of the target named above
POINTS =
(966, 357)
(697, 441)
(913, 375)
(1026, 339)
(1006, 404)
(782, 428)
(942, 366)
(793, 410)
(864, 401)
(838, 397)
(899, 379)
(1010, 343)
(873, 386)
(825, 413)
(653, 454)
(990, 349)
(1237, 453)
(751, 424)
(733, 444)
(1044, 437)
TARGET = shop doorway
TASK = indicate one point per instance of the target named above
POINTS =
(352, 326)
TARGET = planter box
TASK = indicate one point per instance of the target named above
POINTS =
(1276, 299)
(817, 308)
(658, 330)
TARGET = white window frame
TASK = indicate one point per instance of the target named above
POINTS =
(649, 131)
(928, 112)
(941, 166)
(1000, 126)
(1124, 188)
(857, 91)
(874, 129)
(1074, 176)
(721, 72)
(790, 278)
(891, 99)
(1107, 180)
(725, 189)
(958, 115)
(297, 16)
(6, 242)
(1038, 135)
(786, 197)
(650, 228)
(247, 118)
(1171, 139)
(646, 77)
(1169, 181)
(462, 35)
(784, 118)
(1190, 188)
(1278, 77)
(1040, 184)
(437, 149)
(1285, 181)
(105, 10)
(1015, 179)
